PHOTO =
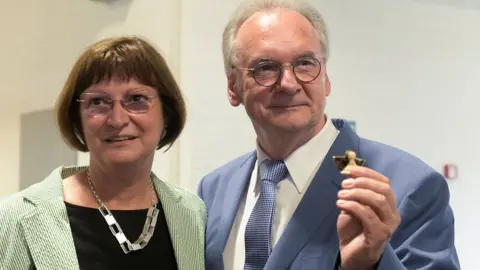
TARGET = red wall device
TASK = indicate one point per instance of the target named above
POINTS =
(450, 171)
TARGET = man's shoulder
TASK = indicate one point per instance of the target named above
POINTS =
(409, 175)
(226, 169)
(217, 181)
(384, 155)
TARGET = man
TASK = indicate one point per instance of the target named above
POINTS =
(286, 205)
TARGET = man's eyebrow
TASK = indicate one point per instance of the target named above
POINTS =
(307, 54)
(259, 59)
(262, 58)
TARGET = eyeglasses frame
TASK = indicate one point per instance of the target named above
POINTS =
(282, 68)
(122, 103)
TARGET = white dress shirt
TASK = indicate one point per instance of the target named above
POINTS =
(302, 165)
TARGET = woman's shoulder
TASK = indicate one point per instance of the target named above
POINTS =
(17, 211)
(16, 205)
(12, 209)
(186, 197)
(13, 245)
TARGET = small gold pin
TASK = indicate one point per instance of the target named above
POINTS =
(347, 162)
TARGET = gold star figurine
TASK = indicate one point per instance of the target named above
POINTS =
(345, 163)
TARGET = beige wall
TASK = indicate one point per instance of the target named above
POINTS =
(48, 36)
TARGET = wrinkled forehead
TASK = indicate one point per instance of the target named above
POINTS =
(277, 34)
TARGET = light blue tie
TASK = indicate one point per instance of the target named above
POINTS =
(258, 233)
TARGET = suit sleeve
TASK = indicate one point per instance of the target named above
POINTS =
(425, 238)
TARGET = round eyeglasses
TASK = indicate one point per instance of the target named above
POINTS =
(268, 73)
(100, 103)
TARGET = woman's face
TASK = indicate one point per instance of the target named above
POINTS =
(122, 121)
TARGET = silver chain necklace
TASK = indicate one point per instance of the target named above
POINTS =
(115, 228)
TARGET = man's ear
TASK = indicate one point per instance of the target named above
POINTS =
(233, 94)
(328, 87)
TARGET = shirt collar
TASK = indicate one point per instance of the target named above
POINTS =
(303, 163)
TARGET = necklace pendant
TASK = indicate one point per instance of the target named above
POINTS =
(148, 227)
(143, 239)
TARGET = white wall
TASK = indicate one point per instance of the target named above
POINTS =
(406, 71)
(10, 153)
(39, 51)
(40, 42)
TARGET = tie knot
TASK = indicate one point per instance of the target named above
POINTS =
(272, 170)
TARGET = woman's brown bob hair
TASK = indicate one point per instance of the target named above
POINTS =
(123, 58)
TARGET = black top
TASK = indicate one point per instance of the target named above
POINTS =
(97, 248)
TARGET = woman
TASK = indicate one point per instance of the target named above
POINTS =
(120, 103)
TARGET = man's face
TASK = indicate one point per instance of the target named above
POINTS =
(290, 105)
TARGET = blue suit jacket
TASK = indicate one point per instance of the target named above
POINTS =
(424, 239)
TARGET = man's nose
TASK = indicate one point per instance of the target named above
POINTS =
(288, 81)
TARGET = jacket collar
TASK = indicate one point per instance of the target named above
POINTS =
(52, 186)
(47, 228)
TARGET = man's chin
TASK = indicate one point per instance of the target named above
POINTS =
(290, 127)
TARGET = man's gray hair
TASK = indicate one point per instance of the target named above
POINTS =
(249, 7)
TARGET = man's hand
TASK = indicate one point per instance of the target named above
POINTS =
(367, 220)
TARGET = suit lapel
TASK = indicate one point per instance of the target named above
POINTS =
(47, 229)
(317, 205)
(233, 191)
(184, 231)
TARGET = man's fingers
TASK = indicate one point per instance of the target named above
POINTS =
(377, 187)
(359, 171)
(376, 201)
(373, 227)
(348, 227)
